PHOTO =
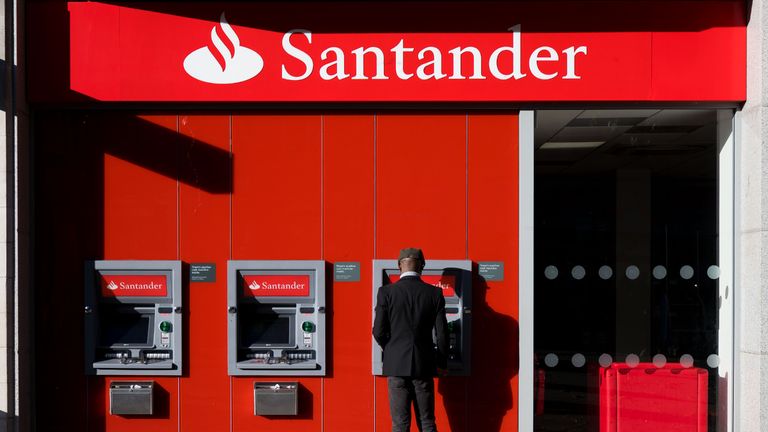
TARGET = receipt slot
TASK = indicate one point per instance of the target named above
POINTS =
(133, 322)
(276, 318)
(454, 278)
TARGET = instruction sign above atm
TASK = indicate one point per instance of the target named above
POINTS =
(379, 51)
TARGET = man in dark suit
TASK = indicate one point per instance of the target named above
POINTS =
(406, 313)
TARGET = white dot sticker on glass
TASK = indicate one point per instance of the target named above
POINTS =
(551, 360)
(632, 272)
(659, 360)
(550, 272)
(713, 361)
(713, 272)
(632, 360)
(578, 272)
(605, 360)
(659, 272)
(605, 272)
(686, 272)
(686, 360)
(578, 360)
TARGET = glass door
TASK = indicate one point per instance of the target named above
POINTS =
(632, 270)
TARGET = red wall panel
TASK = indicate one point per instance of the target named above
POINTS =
(421, 185)
(140, 222)
(493, 236)
(276, 190)
(204, 237)
(140, 211)
(348, 236)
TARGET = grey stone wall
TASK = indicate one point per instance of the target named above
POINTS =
(752, 233)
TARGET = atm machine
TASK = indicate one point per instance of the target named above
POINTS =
(454, 278)
(276, 318)
(133, 326)
(133, 322)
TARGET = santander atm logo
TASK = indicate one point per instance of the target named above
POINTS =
(228, 62)
(254, 286)
(112, 285)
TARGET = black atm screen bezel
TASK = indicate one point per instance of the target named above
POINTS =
(250, 315)
(113, 312)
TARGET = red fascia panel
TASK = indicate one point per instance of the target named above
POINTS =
(619, 51)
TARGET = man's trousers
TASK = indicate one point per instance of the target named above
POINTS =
(406, 390)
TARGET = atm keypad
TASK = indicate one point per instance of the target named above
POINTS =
(157, 355)
(259, 355)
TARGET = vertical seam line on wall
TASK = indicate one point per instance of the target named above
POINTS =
(375, 202)
(178, 255)
(231, 184)
(178, 198)
(86, 404)
(322, 247)
(466, 234)
(178, 404)
(322, 187)
(466, 186)
(375, 179)
(231, 189)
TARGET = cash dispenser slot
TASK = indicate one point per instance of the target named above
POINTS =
(275, 398)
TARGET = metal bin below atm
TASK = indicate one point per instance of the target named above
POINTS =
(275, 398)
(131, 397)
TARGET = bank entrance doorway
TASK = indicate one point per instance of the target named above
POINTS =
(632, 270)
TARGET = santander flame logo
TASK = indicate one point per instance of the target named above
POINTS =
(223, 61)
(254, 285)
(112, 285)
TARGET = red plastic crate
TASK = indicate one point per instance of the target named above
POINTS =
(647, 398)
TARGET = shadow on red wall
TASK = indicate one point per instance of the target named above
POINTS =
(70, 228)
(480, 402)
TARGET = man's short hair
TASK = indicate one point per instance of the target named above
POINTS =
(411, 253)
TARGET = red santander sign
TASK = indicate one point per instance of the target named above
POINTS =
(134, 286)
(275, 285)
(329, 52)
(447, 283)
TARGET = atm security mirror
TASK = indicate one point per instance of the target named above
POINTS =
(133, 318)
(454, 278)
(276, 318)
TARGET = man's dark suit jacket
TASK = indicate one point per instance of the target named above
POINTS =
(406, 312)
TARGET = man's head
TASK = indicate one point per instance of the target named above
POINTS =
(411, 259)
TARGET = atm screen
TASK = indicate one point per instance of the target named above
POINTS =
(123, 329)
(266, 330)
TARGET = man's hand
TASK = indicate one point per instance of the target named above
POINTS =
(442, 372)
